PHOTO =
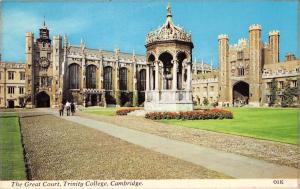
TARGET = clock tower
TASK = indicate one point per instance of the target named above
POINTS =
(43, 64)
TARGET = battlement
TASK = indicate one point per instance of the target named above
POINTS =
(274, 32)
(242, 41)
(222, 36)
(57, 37)
(28, 34)
(255, 27)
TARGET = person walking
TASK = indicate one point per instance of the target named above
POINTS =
(68, 107)
(61, 109)
(72, 108)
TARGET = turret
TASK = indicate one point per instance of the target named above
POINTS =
(56, 54)
(44, 34)
(274, 46)
(224, 68)
(29, 53)
(255, 67)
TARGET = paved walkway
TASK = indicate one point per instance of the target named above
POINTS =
(230, 164)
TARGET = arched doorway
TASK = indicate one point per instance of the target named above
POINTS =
(11, 104)
(43, 100)
(240, 93)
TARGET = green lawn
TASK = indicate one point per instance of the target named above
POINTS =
(270, 124)
(11, 151)
(101, 111)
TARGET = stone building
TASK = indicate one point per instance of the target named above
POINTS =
(12, 84)
(57, 71)
(246, 70)
(169, 68)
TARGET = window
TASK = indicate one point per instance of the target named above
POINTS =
(74, 76)
(240, 55)
(269, 85)
(108, 78)
(241, 71)
(11, 90)
(44, 81)
(21, 90)
(294, 83)
(22, 75)
(10, 75)
(0, 89)
(281, 84)
(123, 79)
(91, 77)
(49, 56)
(211, 88)
(142, 80)
(0, 75)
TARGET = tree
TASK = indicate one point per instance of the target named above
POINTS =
(205, 102)
(288, 95)
(273, 92)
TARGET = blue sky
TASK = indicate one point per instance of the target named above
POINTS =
(125, 24)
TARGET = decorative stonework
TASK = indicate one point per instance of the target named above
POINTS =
(168, 32)
(169, 68)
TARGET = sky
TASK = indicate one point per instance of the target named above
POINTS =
(110, 24)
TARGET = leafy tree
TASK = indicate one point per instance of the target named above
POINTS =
(273, 92)
(288, 95)
(205, 102)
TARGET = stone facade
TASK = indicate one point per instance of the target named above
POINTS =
(12, 84)
(245, 71)
(57, 72)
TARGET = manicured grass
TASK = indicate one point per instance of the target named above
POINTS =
(270, 124)
(11, 150)
(101, 111)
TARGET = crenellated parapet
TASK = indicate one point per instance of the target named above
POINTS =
(255, 27)
(222, 36)
(273, 32)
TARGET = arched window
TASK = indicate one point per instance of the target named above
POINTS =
(74, 76)
(166, 59)
(107, 78)
(123, 78)
(91, 77)
(142, 80)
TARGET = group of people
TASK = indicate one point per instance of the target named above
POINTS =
(69, 106)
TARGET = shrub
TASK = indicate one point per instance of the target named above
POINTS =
(205, 102)
(192, 115)
(125, 111)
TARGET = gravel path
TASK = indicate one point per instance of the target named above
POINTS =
(275, 152)
(59, 149)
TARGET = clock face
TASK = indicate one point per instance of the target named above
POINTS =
(44, 62)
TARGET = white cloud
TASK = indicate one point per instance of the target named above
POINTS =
(16, 23)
